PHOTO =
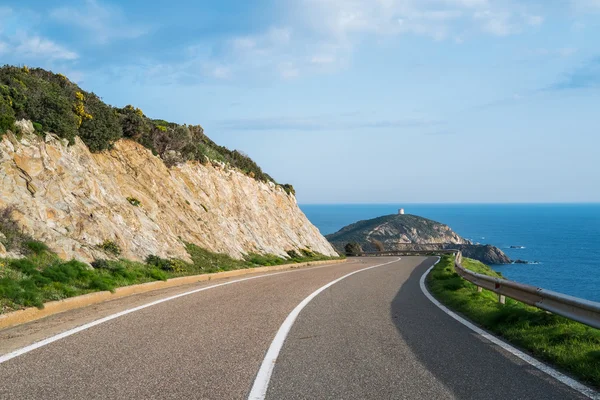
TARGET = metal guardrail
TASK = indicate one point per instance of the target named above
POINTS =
(585, 311)
(580, 310)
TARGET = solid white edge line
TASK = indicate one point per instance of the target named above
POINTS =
(261, 383)
(89, 325)
(570, 382)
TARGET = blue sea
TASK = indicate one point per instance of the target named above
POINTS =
(564, 239)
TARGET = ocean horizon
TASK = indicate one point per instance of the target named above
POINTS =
(561, 240)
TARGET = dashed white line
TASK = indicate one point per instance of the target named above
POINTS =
(261, 383)
(570, 382)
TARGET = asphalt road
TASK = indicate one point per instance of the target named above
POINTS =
(373, 335)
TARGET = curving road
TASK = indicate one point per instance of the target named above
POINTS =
(372, 335)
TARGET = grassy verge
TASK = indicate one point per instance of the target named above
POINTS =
(569, 345)
(42, 276)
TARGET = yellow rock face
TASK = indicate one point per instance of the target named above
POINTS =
(74, 200)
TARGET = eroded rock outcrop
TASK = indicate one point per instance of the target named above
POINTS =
(74, 200)
(411, 232)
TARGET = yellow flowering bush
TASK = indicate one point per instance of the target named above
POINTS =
(79, 109)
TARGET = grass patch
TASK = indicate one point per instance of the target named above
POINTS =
(42, 276)
(569, 345)
(110, 247)
(304, 255)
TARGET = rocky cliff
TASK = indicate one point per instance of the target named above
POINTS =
(411, 232)
(74, 200)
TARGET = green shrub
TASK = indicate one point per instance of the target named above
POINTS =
(157, 274)
(135, 126)
(168, 265)
(36, 247)
(47, 104)
(265, 259)
(134, 202)
(293, 254)
(103, 128)
(7, 115)
(353, 249)
(67, 272)
(289, 189)
(23, 292)
(38, 127)
(158, 262)
(308, 253)
(101, 264)
(110, 247)
(102, 283)
(25, 266)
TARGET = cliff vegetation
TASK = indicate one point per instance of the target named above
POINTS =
(55, 104)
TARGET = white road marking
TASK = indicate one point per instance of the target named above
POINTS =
(89, 325)
(570, 382)
(261, 383)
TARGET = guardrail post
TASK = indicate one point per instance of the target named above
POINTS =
(502, 299)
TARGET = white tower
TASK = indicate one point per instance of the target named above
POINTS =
(401, 211)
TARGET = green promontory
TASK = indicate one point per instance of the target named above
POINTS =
(411, 232)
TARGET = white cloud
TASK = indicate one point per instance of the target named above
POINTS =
(563, 52)
(320, 36)
(323, 59)
(36, 47)
(104, 23)
(535, 20)
(438, 19)
(221, 72)
(288, 70)
(271, 52)
(586, 4)
(495, 23)
(3, 47)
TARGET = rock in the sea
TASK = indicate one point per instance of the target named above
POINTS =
(485, 253)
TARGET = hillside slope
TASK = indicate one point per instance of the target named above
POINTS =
(411, 232)
(74, 200)
(88, 179)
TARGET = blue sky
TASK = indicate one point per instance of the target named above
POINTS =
(353, 101)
